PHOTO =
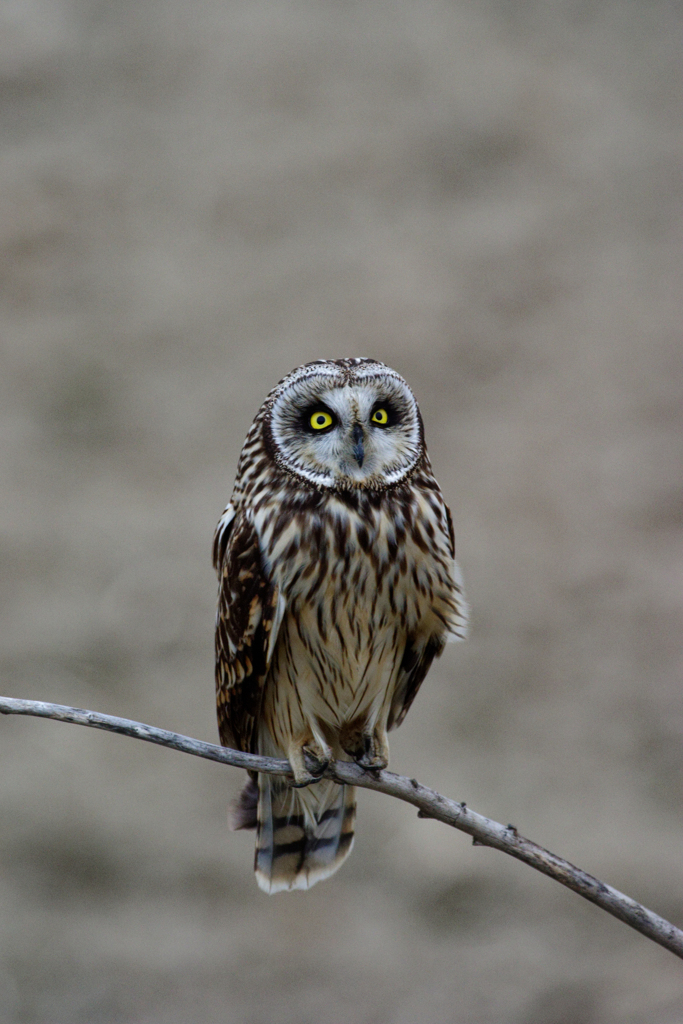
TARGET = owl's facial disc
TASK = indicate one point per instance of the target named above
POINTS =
(340, 429)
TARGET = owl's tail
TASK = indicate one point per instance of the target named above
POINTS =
(302, 835)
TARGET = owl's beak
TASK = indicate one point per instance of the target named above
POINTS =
(358, 449)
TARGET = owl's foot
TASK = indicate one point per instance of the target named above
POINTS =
(308, 764)
(372, 763)
(373, 760)
(369, 750)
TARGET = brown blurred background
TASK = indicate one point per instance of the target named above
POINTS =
(195, 198)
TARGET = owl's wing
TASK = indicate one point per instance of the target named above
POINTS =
(249, 614)
(416, 662)
(420, 651)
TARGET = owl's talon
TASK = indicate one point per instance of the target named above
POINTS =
(315, 766)
(303, 783)
(308, 766)
(372, 762)
(372, 751)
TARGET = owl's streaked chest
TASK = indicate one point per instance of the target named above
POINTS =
(336, 557)
(356, 583)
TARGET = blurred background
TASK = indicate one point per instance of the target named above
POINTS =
(196, 198)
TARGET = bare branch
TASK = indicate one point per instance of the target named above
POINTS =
(430, 804)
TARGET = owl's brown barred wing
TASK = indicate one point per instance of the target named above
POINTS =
(451, 531)
(247, 621)
(222, 536)
(416, 662)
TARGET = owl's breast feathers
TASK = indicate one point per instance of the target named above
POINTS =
(348, 573)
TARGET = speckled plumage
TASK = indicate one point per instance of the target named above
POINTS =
(337, 588)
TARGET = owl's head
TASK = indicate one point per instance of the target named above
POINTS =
(344, 423)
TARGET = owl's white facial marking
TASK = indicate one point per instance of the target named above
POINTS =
(345, 425)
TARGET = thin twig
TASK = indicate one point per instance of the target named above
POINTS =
(430, 804)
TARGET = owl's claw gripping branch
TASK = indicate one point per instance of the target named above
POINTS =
(308, 769)
(368, 749)
(309, 763)
(316, 766)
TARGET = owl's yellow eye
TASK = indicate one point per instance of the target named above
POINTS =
(381, 417)
(321, 420)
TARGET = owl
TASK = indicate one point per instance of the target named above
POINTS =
(338, 587)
